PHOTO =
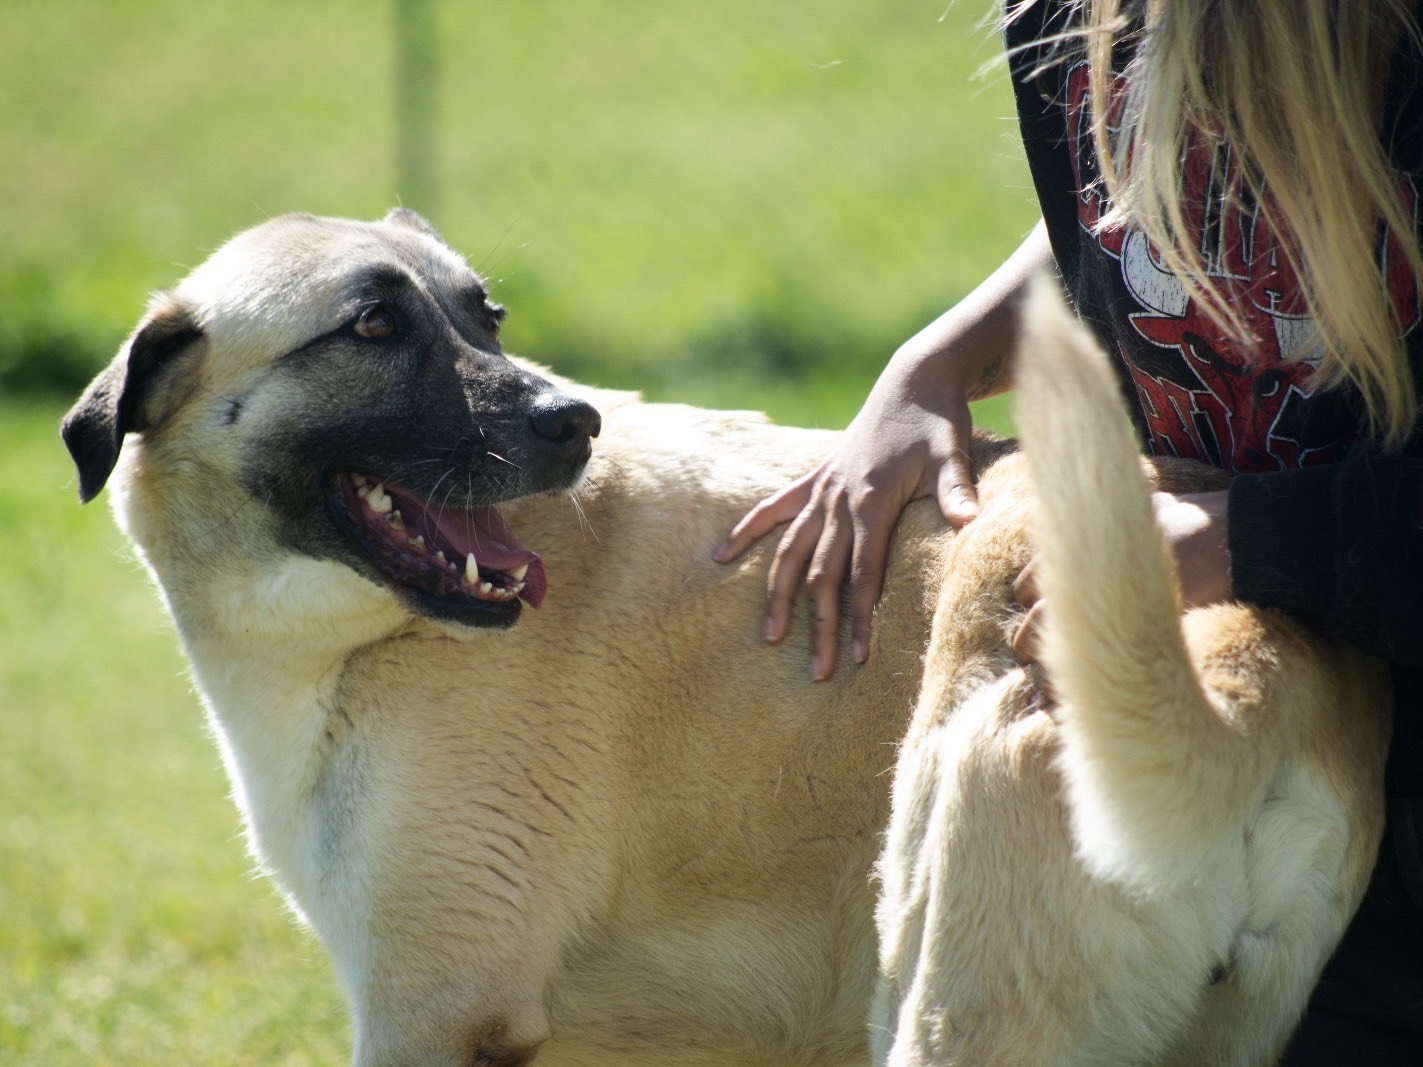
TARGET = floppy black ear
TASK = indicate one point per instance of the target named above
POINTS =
(114, 403)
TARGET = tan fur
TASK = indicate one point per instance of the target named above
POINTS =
(1151, 860)
(624, 831)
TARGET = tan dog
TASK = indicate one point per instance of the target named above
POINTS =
(619, 830)
(1151, 860)
(616, 830)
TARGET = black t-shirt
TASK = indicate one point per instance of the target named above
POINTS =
(1197, 393)
(1322, 521)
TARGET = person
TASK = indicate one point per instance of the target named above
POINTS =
(1229, 194)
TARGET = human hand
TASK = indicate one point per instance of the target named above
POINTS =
(910, 440)
(1196, 529)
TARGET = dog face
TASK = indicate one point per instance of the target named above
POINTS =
(343, 386)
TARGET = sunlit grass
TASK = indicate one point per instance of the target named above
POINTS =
(133, 931)
(662, 193)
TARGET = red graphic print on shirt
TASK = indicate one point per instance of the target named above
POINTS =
(1201, 397)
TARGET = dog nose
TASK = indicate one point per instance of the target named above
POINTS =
(565, 422)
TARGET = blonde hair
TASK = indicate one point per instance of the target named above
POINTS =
(1296, 88)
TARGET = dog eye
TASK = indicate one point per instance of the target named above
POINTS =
(377, 323)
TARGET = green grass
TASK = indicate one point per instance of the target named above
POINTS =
(133, 932)
(747, 204)
(699, 200)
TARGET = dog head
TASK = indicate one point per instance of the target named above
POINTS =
(336, 390)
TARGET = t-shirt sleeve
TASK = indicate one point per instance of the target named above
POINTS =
(1032, 38)
(1340, 542)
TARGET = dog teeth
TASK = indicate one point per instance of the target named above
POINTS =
(375, 495)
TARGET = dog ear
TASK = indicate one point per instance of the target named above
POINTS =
(411, 220)
(121, 399)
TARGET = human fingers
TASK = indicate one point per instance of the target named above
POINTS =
(1025, 586)
(781, 506)
(788, 567)
(957, 489)
(823, 581)
(1027, 637)
(873, 528)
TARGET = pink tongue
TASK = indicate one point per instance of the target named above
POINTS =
(482, 532)
(496, 548)
(485, 533)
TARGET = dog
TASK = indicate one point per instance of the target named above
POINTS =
(1144, 851)
(615, 829)
(618, 829)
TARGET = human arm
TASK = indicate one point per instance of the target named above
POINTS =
(911, 439)
(1340, 543)
(1196, 528)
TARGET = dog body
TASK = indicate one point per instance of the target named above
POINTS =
(563, 836)
(619, 830)
(1145, 851)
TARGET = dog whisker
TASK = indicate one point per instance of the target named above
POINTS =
(584, 522)
(221, 396)
(223, 522)
(484, 264)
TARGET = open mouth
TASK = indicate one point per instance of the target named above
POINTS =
(454, 561)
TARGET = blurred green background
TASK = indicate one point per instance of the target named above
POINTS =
(745, 204)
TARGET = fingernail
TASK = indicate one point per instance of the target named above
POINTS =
(719, 553)
(768, 631)
(860, 650)
(817, 669)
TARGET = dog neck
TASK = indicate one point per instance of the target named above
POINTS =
(268, 643)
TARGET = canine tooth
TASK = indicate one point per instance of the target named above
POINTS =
(395, 521)
(515, 590)
(518, 572)
(471, 569)
(417, 543)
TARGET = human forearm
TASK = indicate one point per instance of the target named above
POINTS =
(911, 439)
(968, 350)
